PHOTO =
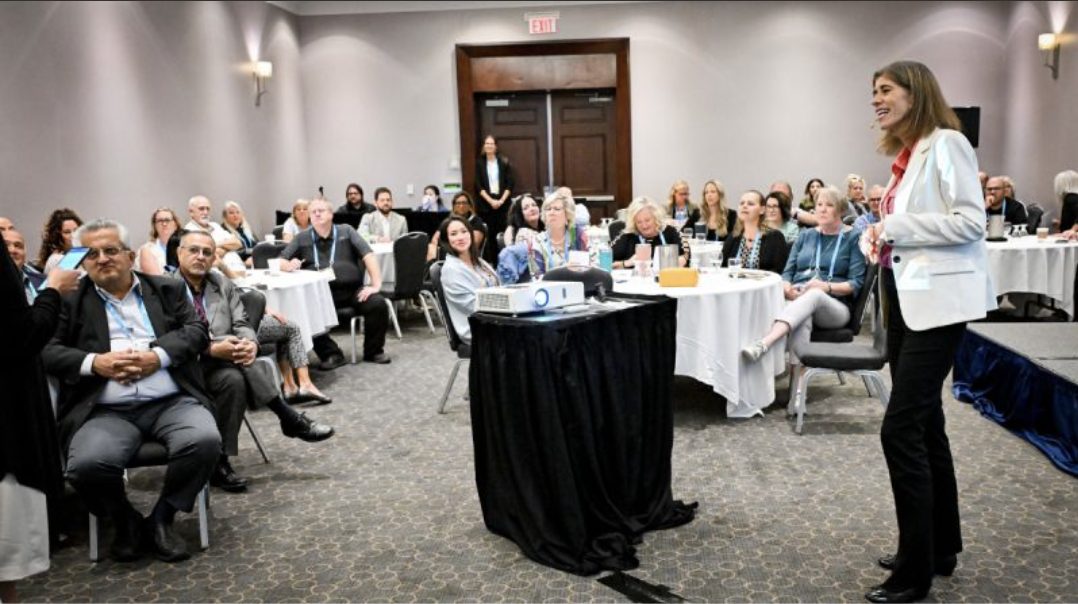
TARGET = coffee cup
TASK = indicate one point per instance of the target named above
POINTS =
(270, 238)
(1042, 233)
(274, 265)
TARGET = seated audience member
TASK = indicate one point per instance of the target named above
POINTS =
(126, 352)
(777, 215)
(299, 221)
(385, 225)
(276, 329)
(31, 278)
(339, 246)
(463, 273)
(432, 200)
(983, 177)
(643, 224)
(56, 237)
(463, 206)
(198, 208)
(808, 202)
(996, 202)
(550, 249)
(714, 214)
(801, 217)
(753, 242)
(353, 205)
(823, 274)
(1066, 187)
(682, 212)
(31, 484)
(525, 221)
(875, 197)
(233, 221)
(228, 363)
(856, 205)
(152, 257)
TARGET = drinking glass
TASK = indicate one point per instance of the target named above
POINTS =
(734, 264)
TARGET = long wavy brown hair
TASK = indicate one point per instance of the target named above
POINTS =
(52, 238)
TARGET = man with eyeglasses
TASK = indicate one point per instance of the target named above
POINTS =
(126, 353)
(997, 202)
(229, 361)
(339, 248)
(875, 196)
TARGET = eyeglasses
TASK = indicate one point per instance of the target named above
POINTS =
(772, 206)
(875, 199)
(993, 188)
(461, 202)
(163, 220)
(205, 252)
(109, 252)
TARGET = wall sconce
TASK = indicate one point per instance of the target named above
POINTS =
(262, 71)
(1050, 44)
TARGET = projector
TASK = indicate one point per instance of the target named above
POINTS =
(535, 296)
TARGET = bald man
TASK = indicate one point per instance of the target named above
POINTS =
(997, 202)
(16, 248)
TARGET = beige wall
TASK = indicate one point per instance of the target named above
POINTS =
(117, 108)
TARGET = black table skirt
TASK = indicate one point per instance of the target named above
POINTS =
(573, 430)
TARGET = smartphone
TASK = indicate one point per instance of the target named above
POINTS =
(71, 261)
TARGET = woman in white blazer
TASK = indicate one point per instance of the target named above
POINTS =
(934, 278)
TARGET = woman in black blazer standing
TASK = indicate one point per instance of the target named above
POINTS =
(494, 186)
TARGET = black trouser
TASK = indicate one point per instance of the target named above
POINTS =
(229, 384)
(915, 444)
(375, 315)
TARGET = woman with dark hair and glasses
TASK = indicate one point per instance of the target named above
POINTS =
(463, 272)
(151, 257)
(464, 207)
(56, 237)
(777, 215)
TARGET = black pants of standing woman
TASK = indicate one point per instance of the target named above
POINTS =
(916, 447)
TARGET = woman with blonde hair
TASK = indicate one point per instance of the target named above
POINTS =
(234, 221)
(151, 256)
(644, 224)
(1066, 187)
(713, 211)
(299, 221)
(855, 198)
(682, 212)
(754, 243)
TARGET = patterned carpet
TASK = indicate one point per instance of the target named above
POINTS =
(387, 509)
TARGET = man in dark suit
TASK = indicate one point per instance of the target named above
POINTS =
(126, 352)
(31, 277)
(229, 363)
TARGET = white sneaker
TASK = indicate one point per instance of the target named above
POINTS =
(754, 351)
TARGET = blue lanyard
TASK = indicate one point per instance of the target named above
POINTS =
(834, 255)
(332, 250)
(118, 317)
(31, 294)
(662, 238)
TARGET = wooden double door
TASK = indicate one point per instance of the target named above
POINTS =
(552, 139)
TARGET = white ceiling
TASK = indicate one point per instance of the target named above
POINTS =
(349, 7)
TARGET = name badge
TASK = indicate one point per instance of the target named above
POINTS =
(329, 274)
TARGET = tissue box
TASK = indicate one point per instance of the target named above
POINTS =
(678, 277)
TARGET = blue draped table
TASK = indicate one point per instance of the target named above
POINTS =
(1024, 376)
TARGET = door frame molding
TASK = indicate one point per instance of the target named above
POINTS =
(619, 47)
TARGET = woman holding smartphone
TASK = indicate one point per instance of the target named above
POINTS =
(934, 278)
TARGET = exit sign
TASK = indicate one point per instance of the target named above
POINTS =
(545, 23)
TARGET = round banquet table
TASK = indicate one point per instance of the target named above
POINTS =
(1026, 264)
(715, 320)
(301, 296)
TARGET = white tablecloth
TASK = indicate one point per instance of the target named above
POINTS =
(716, 319)
(1026, 264)
(301, 296)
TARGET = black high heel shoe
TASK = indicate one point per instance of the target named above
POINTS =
(944, 566)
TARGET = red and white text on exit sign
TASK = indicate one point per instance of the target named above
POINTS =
(542, 24)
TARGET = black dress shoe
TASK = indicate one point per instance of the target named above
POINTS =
(305, 428)
(379, 358)
(165, 544)
(891, 594)
(128, 538)
(305, 396)
(333, 362)
(224, 477)
(944, 566)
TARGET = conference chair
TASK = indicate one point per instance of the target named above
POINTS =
(410, 258)
(265, 250)
(615, 228)
(153, 453)
(254, 302)
(464, 351)
(863, 360)
(1034, 214)
(857, 314)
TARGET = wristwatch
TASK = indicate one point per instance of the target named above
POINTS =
(828, 288)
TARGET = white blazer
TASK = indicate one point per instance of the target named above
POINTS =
(937, 232)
